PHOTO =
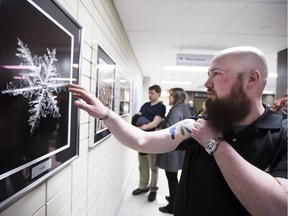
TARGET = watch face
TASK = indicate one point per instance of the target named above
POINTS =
(210, 146)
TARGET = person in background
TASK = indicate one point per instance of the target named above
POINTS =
(172, 161)
(202, 111)
(149, 118)
(280, 106)
(192, 108)
(236, 160)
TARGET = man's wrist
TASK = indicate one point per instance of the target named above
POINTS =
(212, 144)
(106, 115)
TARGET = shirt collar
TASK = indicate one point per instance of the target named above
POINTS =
(268, 120)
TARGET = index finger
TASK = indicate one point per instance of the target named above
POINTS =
(80, 92)
(73, 87)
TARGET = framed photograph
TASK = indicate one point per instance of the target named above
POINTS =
(39, 55)
(105, 85)
(124, 98)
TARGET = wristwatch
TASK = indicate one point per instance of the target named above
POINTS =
(211, 144)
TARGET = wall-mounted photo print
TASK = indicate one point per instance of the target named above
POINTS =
(104, 90)
(124, 97)
(39, 57)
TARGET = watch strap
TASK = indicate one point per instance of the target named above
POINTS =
(219, 139)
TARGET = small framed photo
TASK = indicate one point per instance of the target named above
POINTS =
(105, 90)
(124, 96)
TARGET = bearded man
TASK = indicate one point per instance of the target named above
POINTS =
(236, 160)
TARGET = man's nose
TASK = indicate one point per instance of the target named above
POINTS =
(208, 84)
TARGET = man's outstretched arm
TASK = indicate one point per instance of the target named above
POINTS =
(150, 142)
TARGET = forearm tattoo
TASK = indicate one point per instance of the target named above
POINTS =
(182, 127)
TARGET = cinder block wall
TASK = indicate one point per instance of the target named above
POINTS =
(93, 183)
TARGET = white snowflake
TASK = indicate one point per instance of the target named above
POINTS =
(39, 81)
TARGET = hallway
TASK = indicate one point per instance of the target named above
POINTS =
(139, 205)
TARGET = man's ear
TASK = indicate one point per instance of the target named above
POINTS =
(253, 79)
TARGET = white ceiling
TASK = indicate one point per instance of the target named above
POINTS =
(159, 29)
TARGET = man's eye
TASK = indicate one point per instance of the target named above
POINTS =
(213, 74)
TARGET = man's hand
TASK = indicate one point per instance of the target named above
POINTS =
(202, 131)
(89, 102)
(144, 127)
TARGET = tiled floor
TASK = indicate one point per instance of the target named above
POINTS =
(139, 205)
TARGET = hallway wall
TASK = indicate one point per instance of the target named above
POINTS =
(92, 184)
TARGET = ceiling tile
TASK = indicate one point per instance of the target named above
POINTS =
(159, 29)
(260, 18)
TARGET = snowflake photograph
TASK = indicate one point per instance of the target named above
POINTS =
(39, 81)
(39, 57)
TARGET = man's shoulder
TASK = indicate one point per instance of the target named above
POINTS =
(159, 105)
(270, 120)
(162, 105)
(148, 103)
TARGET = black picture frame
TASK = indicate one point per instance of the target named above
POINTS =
(39, 55)
(105, 91)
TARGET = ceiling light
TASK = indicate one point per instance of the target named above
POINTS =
(170, 82)
(186, 68)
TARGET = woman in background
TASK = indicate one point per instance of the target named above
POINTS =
(171, 162)
(280, 106)
(202, 111)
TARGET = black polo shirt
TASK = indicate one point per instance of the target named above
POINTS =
(202, 189)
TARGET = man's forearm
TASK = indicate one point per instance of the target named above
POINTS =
(150, 142)
(250, 184)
